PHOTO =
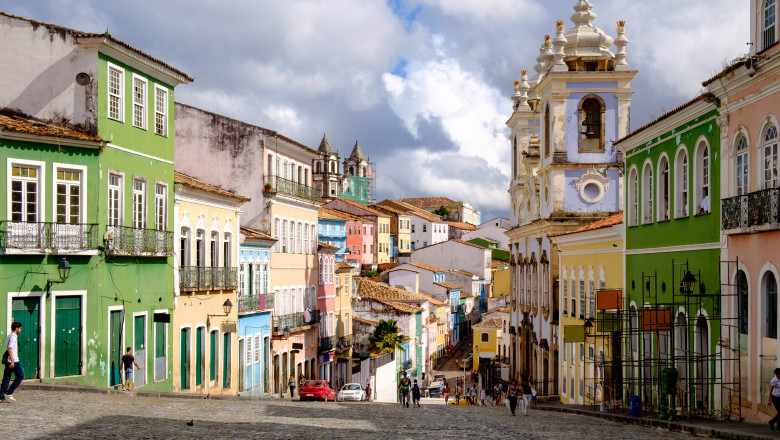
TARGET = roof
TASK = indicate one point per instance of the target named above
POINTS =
(400, 306)
(357, 152)
(413, 210)
(431, 299)
(79, 34)
(612, 220)
(255, 234)
(448, 286)
(494, 322)
(501, 310)
(484, 248)
(333, 214)
(394, 209)
(294, 142)
(465, 295)
(702, 97)
(325, 145)
(734, 66)
(364, 207)
(425, 266)
(462, 225)
(432, 202)
(342, 265)
(377, 290)
(381, 267)
(14, 122)
(494, 263)
(207, 187)
(364, 321)
(325, 246)
(461, 272)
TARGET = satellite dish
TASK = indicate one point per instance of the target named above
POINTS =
(83, 78)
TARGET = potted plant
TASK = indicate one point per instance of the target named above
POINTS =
(268, 187)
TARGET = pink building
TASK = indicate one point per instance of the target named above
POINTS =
(750, 222)
(328, 337)
(369, 238)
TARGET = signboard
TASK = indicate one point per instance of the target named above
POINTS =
(228, 327)
(297, 346)
(609, 299)
(573, 333)
(659, 320)
(608, 322)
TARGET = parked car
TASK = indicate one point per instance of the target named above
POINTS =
(439, 377)
(317, 390)
(436, 388)
(351, 391)
(465, 363)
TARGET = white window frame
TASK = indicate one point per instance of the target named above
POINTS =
(769, 146)
(82, 170)
(142, 204)
(120, 196)
(140, 103)
(741, 165)
(703, 174)
(41, 182)
(647, 193)
(663, 178)
(160, 203)
(633, 197)
(161, 111)
(682, 169)
(768, 30)
(120, 97)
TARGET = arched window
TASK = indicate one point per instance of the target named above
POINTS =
(770, 158)
(663, 189)
(313, 241)
(681, 184)
(321, 269)
(702, 178)
(647, 193)
(742, 302)
(276, 234)
(514, 157)
(298, 248)
(742, 163)
(769, 19)
(547, 130)
(770, 305)
(284, 236)
(591, 125)
(284, 169)
(633, 197)
(316, 166)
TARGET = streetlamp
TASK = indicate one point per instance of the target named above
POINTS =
(64, 271)
(227, 307)
(688, 282)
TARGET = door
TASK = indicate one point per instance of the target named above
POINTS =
(139, 350)
(160, 344)
(213, 356)
(199, 356)
(26, 311)
(185, 359)
(67, 336)
(226, 360)
(242, 368)
(115, 347)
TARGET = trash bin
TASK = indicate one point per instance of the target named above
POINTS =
(636, 406)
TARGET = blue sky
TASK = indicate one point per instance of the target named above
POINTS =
(424, 85)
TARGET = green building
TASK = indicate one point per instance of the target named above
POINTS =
(86, 136)
(672, 286)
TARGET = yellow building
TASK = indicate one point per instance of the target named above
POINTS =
(443, 325)
(501, 282)
(487, 335)
(400, 230)
(591, 277)
(344, 290)
(205, 348)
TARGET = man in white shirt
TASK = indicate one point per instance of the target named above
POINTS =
(774, 397)
(12, 364)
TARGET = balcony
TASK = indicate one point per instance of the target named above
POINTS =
(294, 189)
(255, 303)
(327, 344)
(123, 240)
(193, 278)
(22, 237)
(753, 209)
(295, 320)
(344, 342)
(406, 365)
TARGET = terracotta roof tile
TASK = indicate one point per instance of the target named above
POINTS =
(11, 122)
(207, 187)
(413, 210)
(364, 207)
(431, 299)
(465, 295)
(494, 322)
(430, 202)
(255, 234)
(365, 321)
(325, 246)
(342, 265)
(612, 220)
(464, 226)
(425, 266)
(332, 214)
(448, 285)
(702, 97)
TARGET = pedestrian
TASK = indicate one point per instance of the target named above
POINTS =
(511, 396)
(368, 392)
(496, 394)
(11, 364)
(457, 394)
(527, 390)
(501, 391)
(291, 384)
(774, 397)
(301, 382)
(473, 394)
(403, 386)
(415, 394)
(128, 360)
(482, 396)
(446, 393)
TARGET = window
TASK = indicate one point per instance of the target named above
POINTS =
(742, 302)
(702, 178)
(284, 236)
(546, 131)
(424, 227)
(114, 199)
(291, 243)
(742, 163)
(412, 228)
(276, 234)
(770, 158)
(116, 92)
(681, 184)
(647, 194)
(770, 289)
(200, 248)
(485, 337)
(582, 299)
(306, 238)
(591, 125)
(214, 249)
(184, 247)
(160, 206)
(227, 247)
(242, 279)
(312, 240)
(139, 203)
(573, 296)
(24, 193)
(68, 196)
(161, 111)
(768, 37)
(139, 102)
(633, 196)
(663, 189)
(298, 248)
(591, 299)
(564, 285)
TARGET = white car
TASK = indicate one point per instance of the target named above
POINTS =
(351, 391)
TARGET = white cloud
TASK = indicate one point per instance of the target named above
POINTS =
(487, 10)
(285, 119)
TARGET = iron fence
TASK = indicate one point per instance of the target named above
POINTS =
(293, 320)
(545, 387)
(292, 188)
(752, 209)
(255, 303)
(134, 241)
(206, 277)
(48, 235)
(327, 343)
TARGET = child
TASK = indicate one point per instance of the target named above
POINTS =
(127, 362)
(482, 396)
(415, 394)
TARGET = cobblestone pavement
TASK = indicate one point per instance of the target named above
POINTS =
(72, 415)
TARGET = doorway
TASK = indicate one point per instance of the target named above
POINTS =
(139, 350)
(116, 318)
(27, 311)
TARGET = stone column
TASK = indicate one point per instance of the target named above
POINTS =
(620, 42)
(559, 43)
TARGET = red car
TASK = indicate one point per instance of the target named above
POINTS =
(317, 389)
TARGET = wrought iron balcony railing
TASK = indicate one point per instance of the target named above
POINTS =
(255, 303)
(206, 278)
(123, 240)
(752, 209)
(48, 236)
(327, 343)
(294, 320)
(344, 342)
(294, 189)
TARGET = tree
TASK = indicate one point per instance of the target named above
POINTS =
(385, 337)
(442, 211)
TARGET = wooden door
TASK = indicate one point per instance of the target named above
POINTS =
(67, 336)
(26, 311)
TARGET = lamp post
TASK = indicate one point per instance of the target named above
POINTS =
(227, 307)
(64, 271)
(688, 282)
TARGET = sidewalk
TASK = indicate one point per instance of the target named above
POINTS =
(708, 428)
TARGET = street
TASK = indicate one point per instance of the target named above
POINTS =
(72, 415)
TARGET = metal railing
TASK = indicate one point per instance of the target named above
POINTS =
(292, 188)
(48, 236)
(752, 209)
(207, 277)
(134, 241)
(327, 343)
(345, 341)
(545, 387)
(406, 365)
(255, 303)
(294, 320)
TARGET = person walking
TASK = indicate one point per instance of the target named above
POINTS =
(446, 393)
(527, 394)
(291, 384)
(301, 383)
(368, 392)
(11, 364)
(458, 389)
(774, 398)
(415, 394)
(128, 360)
(482, 396)
(474, 394)
(496, 394)
(511, 396)
(403, 386)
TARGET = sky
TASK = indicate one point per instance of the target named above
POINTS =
(424, 85)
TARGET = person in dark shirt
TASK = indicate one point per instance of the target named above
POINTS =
(415, 394)
(128, 360)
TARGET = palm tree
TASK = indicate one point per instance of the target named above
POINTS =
(385, 337)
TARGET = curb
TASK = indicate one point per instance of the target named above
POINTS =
(153, 394)
(697, 430)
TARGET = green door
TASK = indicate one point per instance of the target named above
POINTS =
(115, 342)
(160, 343)
(185, 358)
(213, 356)
(67, 336)
(226, 360)
(139, 350)
(25, 310)
(199, 356)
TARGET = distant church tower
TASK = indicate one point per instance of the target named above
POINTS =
(564, 173)
(357, 163)
(326, 170)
